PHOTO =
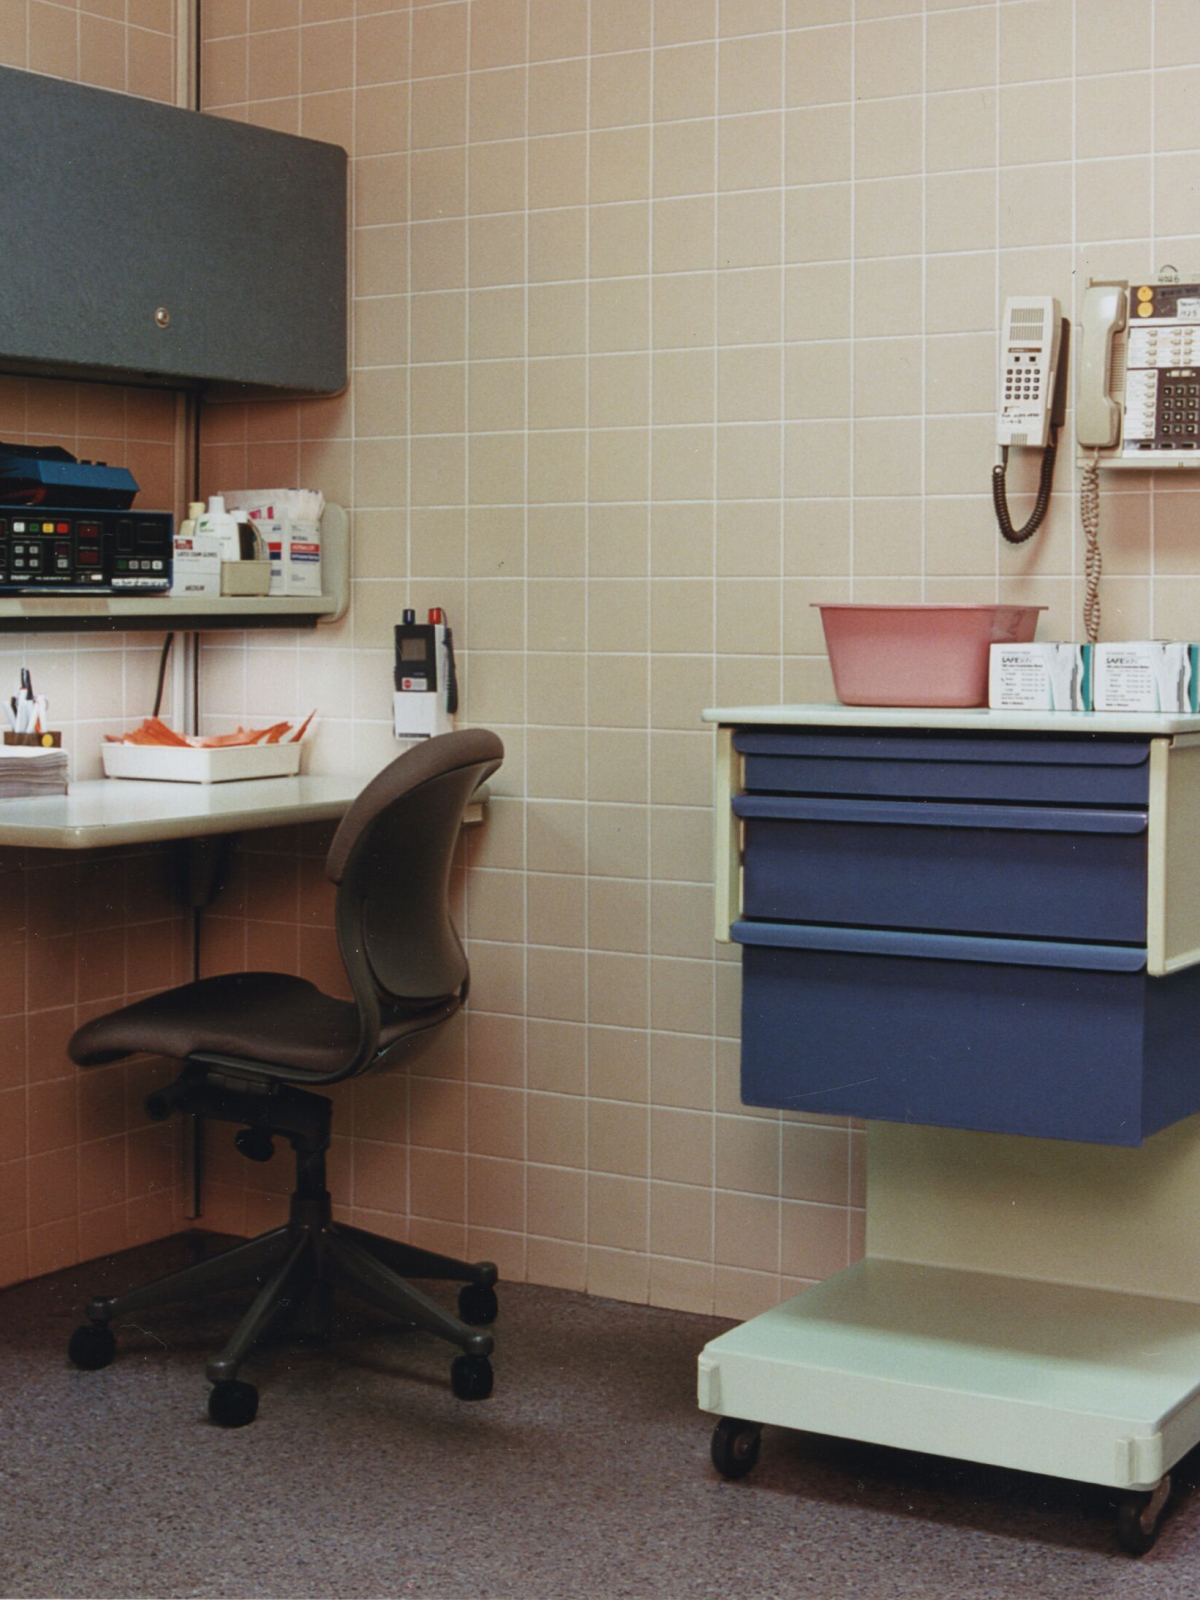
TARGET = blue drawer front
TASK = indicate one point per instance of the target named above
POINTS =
(1028, 873)
(1098, 771)
(967, 1033)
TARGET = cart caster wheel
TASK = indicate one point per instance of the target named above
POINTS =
(471, 1377)
(92, 1346)
(232, 1404)
(1140, 1518)
(477, 1304)
(735, 1446)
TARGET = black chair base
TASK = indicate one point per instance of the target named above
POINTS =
(297, 1268)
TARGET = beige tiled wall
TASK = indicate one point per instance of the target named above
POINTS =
(672, 317)
(81, 1171)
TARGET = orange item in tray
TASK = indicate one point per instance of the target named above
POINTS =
(155, 732)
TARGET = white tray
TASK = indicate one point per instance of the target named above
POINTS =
(222, 765)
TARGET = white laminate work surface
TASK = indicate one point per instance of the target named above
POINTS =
(935, 718)
(115, 811)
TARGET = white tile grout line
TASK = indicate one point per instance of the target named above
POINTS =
(525, 897)
(851, 551)
(1077, 551)
(648, 1133)
(996, 272)
(408, 507)
(1155, 264)
(466, 546)
(780, 617)
(853, 402)
(924, 293)
(1049, 79)
(716, 257)
(586, 1036)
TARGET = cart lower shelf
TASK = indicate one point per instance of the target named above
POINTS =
(1089, 1384)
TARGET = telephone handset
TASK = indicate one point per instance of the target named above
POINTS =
(1101, 317)
(1032, 399)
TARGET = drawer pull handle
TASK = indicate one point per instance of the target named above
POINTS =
(939, 814)
(903, 750)
(942, 946)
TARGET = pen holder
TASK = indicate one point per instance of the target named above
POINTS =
(45, 741)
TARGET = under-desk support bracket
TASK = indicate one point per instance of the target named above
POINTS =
(207, 857)
(206, 860)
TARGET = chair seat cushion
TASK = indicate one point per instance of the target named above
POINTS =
(257, 1016)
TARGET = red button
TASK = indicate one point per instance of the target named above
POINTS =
(62, 527)
(89, 558)
(89, 530)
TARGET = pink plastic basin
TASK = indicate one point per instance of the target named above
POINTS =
(919, 655)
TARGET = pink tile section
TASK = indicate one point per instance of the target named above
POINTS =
(81, 1171)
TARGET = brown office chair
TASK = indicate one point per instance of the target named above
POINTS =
(247, 1038)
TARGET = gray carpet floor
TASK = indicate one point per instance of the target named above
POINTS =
(585, 1475)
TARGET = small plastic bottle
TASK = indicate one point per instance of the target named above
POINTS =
(216, 520)
(188, 526)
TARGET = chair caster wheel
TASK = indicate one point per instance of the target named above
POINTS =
(477, 1304)
(735, 1446)
(471, 1377)
(1140, 1518)
(92, 1346)
(232, 1404)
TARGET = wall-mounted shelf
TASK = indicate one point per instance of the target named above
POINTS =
(107, 613)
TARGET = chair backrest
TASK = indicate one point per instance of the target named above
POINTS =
(391, 858)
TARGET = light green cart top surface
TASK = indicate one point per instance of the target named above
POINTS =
(1095, 1351)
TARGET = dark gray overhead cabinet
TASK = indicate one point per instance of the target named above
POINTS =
(145, 244)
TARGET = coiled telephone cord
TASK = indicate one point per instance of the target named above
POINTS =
(1089, 516)
(1040, 505)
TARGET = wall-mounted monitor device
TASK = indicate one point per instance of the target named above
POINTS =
(145, 244)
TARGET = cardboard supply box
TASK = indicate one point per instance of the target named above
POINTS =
(290, 520)
(1039, 677)
(197, 568)
(1144, 675)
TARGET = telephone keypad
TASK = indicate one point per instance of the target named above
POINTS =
(1178, 408)
(1022, 383)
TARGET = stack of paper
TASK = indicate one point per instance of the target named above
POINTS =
(26, 770)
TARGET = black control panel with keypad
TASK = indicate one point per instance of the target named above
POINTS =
(73, 551)
(1177, 425)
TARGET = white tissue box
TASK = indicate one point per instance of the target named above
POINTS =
(1144, 675)
(1038, 677)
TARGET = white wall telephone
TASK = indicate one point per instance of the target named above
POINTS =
(1139, 375)
(1032, 399)
(1138, 403)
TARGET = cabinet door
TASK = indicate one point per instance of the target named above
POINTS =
(166, 246)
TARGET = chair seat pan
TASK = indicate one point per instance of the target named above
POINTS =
(256, 1016)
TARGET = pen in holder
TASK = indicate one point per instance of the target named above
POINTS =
(29, 713)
